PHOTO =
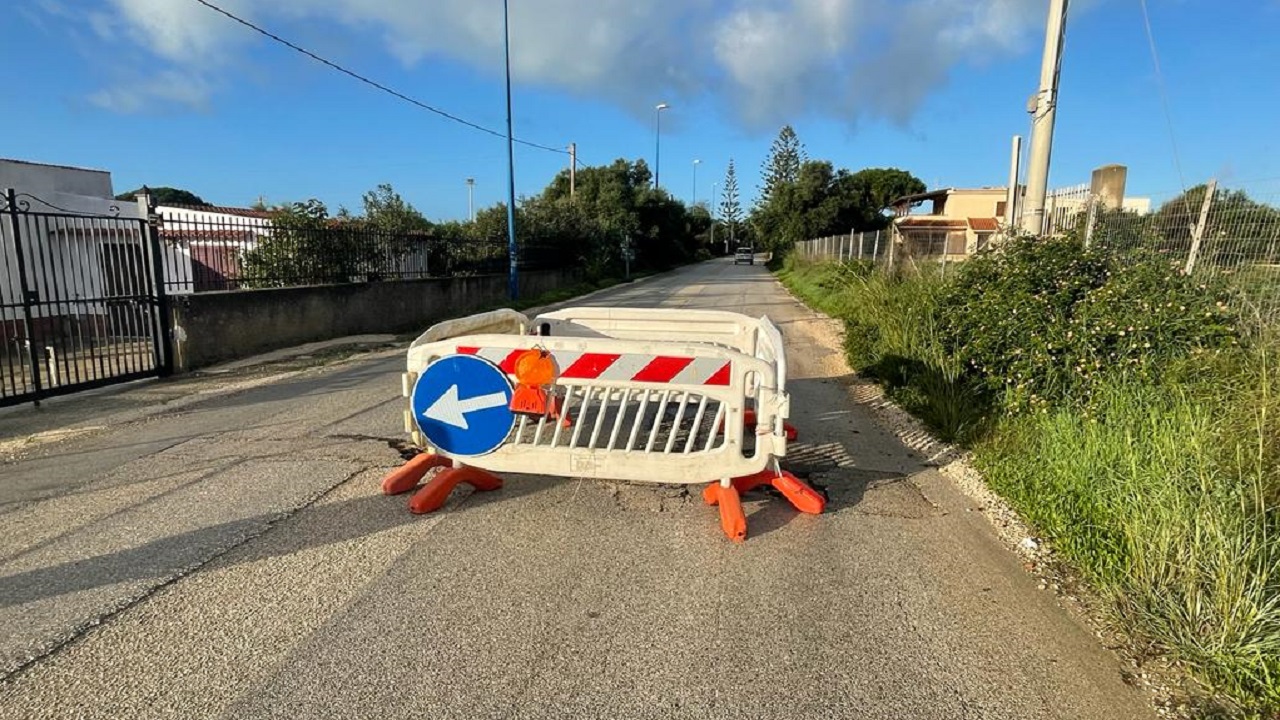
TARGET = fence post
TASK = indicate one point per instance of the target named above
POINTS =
(875, 249)
(1090, 221)
(891, 250)
(1197, 232)
(162, 317)
(28, 323)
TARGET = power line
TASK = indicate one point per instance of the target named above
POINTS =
(373, 83)
(1164, 96)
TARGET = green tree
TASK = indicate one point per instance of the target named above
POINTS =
(884, 185)
(821, 201)
(385, 210)
(1238, 228)
(730, 205)
(782, 166)
(166, 196)
(306, 246)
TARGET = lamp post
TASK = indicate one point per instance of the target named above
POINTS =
(657, 144)
(713, 216)
(696, 163)
(513, 281)
(471, 195)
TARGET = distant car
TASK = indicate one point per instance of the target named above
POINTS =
(745, 255)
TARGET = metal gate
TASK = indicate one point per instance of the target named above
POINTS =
(81, 300)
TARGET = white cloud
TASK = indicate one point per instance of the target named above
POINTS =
(168, 87)
(769, 60)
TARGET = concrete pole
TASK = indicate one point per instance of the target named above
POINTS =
(471, 199)
(1011, 199)
(1197, 231)
(1045, 113)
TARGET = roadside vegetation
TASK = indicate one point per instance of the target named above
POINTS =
(1122, 408)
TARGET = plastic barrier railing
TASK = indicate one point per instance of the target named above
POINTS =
(663, 396)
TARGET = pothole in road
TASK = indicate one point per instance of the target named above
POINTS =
(653, 498)
(400, 445)
(871, 492)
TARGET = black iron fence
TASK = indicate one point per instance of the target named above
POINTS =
(208, 251)
(79, 306)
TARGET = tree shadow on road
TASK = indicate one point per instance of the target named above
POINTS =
(317, 525)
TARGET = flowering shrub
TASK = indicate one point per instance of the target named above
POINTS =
(1042, 321)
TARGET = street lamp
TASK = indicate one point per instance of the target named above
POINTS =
(513, 282)
(696, 163)
(471, 205)
(713, 217)
(657, 145)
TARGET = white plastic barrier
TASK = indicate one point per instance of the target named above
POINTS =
(664, 396)
(668, 410)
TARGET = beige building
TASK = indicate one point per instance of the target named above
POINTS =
(959, 222)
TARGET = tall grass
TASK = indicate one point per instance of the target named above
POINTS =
(1163, 493)
(1165, 498)
(892, 335)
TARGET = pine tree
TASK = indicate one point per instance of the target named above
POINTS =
(730, 207)
(783, 164)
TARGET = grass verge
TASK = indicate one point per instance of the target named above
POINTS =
(1162, 491)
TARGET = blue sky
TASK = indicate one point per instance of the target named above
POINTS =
(167, 92)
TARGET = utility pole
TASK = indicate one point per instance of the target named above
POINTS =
(471, 199)
(1011, 198)
(573, 168)
(513, 280)
(1044, 114)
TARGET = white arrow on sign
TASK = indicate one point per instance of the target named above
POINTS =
(450, 410)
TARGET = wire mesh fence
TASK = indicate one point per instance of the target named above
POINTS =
(865, 246)
(1207, 230)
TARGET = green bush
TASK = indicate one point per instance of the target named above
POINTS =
(1047, 321)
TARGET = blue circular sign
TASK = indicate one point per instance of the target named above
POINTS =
(462, 405)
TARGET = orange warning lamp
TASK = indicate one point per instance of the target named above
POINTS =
(535, 370)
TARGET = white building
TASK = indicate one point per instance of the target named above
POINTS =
(80, 247)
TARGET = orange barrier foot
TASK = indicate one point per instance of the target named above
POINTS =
(431, 496)
(407, 476)
(732, 519)
(797, 492)
(556, 413)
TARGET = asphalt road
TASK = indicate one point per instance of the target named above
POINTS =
(236, 559)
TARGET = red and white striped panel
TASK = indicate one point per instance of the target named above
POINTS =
(661, 369)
